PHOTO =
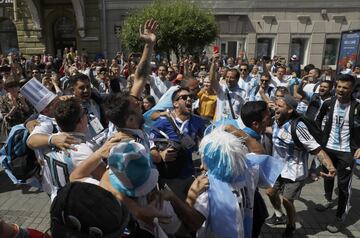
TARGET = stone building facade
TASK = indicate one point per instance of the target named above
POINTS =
(310, 29)
(38, 26)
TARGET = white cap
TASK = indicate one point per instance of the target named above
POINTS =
(37, 94)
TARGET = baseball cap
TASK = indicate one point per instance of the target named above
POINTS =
(290, 101)
(294, 57)
(131, 170)
(37, 94)
(87, 210)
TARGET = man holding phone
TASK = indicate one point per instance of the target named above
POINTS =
(173, 139)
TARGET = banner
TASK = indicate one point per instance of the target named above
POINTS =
(349, 49)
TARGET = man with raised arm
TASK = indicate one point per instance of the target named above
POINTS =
(230, 96)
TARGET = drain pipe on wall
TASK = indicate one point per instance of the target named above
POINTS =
(103, 8)
(15, 10)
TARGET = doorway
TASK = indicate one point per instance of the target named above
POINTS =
(64, 35)
(8, 36)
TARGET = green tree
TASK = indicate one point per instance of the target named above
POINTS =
(184, 28)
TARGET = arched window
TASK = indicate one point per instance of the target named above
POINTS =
(8, 36)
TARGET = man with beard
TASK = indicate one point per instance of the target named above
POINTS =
(173, 140)
(159, 84)
(294, 173)
(318, 99)
(341, 141)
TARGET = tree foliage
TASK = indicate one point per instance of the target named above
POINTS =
(184, 28)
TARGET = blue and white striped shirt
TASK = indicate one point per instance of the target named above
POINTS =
(295, 159)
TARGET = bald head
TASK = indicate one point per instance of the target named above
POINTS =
(192, 84)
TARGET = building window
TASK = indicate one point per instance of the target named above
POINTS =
(299, 48)
(223, 49)
(264, 47)
(331, 49)
(8, 36)
(232, 48)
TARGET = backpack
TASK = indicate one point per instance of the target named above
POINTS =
(16, 157)
(313, 129)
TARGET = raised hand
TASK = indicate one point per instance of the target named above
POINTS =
(147, 34)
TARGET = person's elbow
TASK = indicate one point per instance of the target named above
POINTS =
(194, 224)
(32, 142)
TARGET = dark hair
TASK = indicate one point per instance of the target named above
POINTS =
(282, 89)
(118, 108)
(150, 99)
(251, 111)
(309, 67)
(244, 64)
(237, 72)
(11, 82)
(346, 78)
(77, 77)
(103, 69)
(331, 84)
(175, 94)
(267, 75)
(280, 67)
(318, 71)
(68, 113)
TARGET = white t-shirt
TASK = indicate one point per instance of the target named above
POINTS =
(222, 104)
(167, 210)
(158, 87)
(339, 138)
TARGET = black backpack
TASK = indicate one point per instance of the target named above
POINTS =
(16, 157)
(313, 129)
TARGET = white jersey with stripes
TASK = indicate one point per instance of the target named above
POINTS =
(296, 167)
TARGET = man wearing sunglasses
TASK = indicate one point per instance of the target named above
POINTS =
(246, 82)
(264, 91)
(174, 139)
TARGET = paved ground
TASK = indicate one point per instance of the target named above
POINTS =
(30, 208)
(311, 223)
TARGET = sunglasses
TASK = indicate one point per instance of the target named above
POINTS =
(243, 69)
(264, 80)
(185, 97)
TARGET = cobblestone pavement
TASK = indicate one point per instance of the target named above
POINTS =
(29, 207)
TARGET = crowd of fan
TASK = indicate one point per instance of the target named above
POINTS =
(108, 175)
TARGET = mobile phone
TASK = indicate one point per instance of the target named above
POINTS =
(216, 49)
